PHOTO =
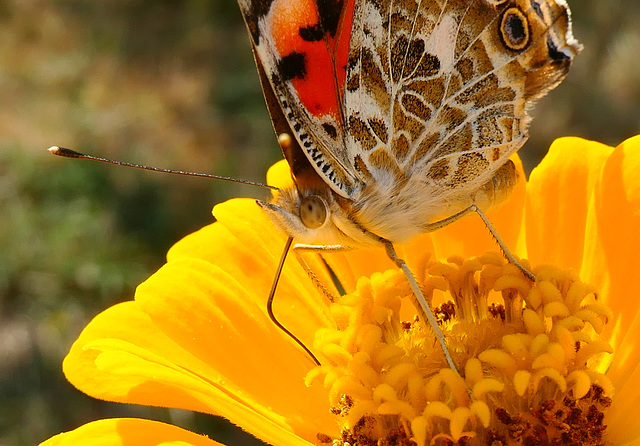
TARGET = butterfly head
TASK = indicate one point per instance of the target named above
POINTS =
(312, 216)
(307, 210)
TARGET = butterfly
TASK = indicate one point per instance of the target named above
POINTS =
(397, 117)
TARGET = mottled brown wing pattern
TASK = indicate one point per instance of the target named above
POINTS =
(438, 90)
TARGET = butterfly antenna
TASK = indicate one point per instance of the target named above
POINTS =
(68, 153)
(272, 293)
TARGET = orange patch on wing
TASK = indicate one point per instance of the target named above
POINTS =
(319, 89)
(286, 19)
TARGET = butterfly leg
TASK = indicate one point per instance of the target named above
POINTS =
(494, 233)
(505, 249)
(426, 309)
(321, 248)
(313, 276)
(296, 248)
(272, 293)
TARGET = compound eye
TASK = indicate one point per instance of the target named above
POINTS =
(313, 211)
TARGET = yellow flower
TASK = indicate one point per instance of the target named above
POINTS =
(198, 337)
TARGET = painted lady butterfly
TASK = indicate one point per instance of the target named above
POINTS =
(399, 116)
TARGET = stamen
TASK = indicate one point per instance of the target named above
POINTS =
(526, 348)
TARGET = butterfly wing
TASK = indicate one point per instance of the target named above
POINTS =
(407, 108)
(304, 175)
(437, 91)
(301, 48)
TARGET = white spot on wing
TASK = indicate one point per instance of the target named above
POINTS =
(442, 42)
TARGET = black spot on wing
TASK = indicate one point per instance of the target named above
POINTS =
(554, 54)
(379, 128)
(315, 154)
(353, 83)
(515, 27)
(413, 56)
(312, 33)
(293, 66)
(330, 12)
(330, 130)
(429, 66)
(537, 9)
(257, 9)
(398, 51)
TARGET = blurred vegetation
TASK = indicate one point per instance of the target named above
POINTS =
(170, 84)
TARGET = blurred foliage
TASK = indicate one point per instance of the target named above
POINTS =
(170, 84)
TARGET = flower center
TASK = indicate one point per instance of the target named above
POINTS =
(528, 356)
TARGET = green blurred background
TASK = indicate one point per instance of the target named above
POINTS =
(170, 84)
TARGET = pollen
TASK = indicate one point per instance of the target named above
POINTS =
(527, 356)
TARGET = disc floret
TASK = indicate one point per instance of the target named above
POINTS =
(528, 356)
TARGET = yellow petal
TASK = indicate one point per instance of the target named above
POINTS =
(247, 249)
(214, 318)
(623, 423)
(129, 431)
(473, 371)
(437, 409)
(122, 356)
(558, 196)
(580, 383)
(419, 426)
(618, 211)
(498, 358)
(617, 224)
(611, 262)
(459, 420)
(551, 374)
(126, 324)
(555, 309)
(279, 175)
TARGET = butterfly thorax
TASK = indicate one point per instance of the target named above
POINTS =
(403, 206)
(399, 214)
